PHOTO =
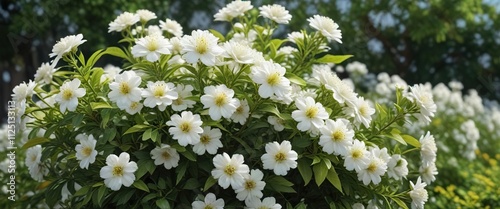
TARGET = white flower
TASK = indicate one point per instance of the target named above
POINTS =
(428, 172)
(145, 15)
(296, 36)
(159, 94)
(361, 111)
(200, 45)
(357, 156)
(276, 13)
(397, 167)
(428, 148)
(418, 194)
(37, 171)
(33, 156)
(219, 99)
(326, 27)
(69, 94)
(277, 123)
(165, 155)
(172, 27)
(44, 73)
(23, 91)
(125, 89)
(210, 202)
(272, 78)
(309, 114)
(185, 128)
(238, 8)
(240, 53)
(151, 47)
(181, 103)
(266, 203)
(176, 48)
(110, 72)
(85, 151)
(356, 68)
(342, 92)
(230, 171)
(223, 15)
(336, 136)
(279, 157)
(253, 186)
(64, 46)
(209, 141)
(118, 171)
(242, 112)
(358, 206)
(123, 21)
(65, 193)
(373, 170)
(134, 107)
(423, 97)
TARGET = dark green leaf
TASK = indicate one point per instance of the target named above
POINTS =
(333, 178)
(34, 142)
(139, 184)
(162, 204)
(304, 166)
(320, 172)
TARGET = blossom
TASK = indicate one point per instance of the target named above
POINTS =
(151, 47)
(172, 27)
(200, 45)
(279, 157)
(242, 112)
(183, 92)
(240, 53)
(134, 107)
(44, 73)
(397, 167)
(33, 155)
(234, 9)
(85, 151)
(266, 203)
(123, 21)
(253, 186)
(65, 45)
(272, 78)
(372, 170)
(165, 155)
(358, 206)
(428, 172)
(37, 171)
(145, 15)
(361, 111)
(327, 27)
(69, 94)
(336, 136)
(223, 15)
(356, 68)
(110, 72)
(422, 96)
(428, 148)
(309, 114)
(23, 90)
(277, 123)
(119, 170)
(209, 141)
(276, 13)
(418, 194)
(342, 92)
(125, 89)
(159, 94)
(229, 171)
(219, 99)
(210, 201)
(357, 156)
(185, 128)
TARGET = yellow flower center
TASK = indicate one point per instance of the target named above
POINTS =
(338, 136)
(229, 170)
(249, 185)
(152, 45)
(239, 110)
(208, 207)
(178, 101)
(204, 139)
(86, 151)
(159, 91)
(124, 88)
(201, 45)
(363, 110)
(220, 99)
(280, 157)
(185, 127)
(273, 79)
(165, 155)
(134, 105)
(33, 158)
(311, 112)
(118, 171)
(372, 167)
(67, 94)
(357, 153)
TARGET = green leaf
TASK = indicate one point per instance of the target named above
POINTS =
(295, 79)
(399, 202)
(277, 42)
(34, 142)
(209, 183)
(395, 135)
(162, 204)
(115, 51)
(77, 119)
(320, 172)
(82, 191)
(94, 57)
(139, 184)
(135, 128)
(336, 59)
(305, 170)
(191, 184)
(279, 184)
(101, 192)
(270, 109)
(100, 105)
(411, 140)
(181, 170)
(147, 134)
(333, 178)
(217, 34)
(189, 155)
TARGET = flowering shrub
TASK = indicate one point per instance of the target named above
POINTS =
(206, 120)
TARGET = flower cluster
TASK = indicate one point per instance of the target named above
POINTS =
(209, 120)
